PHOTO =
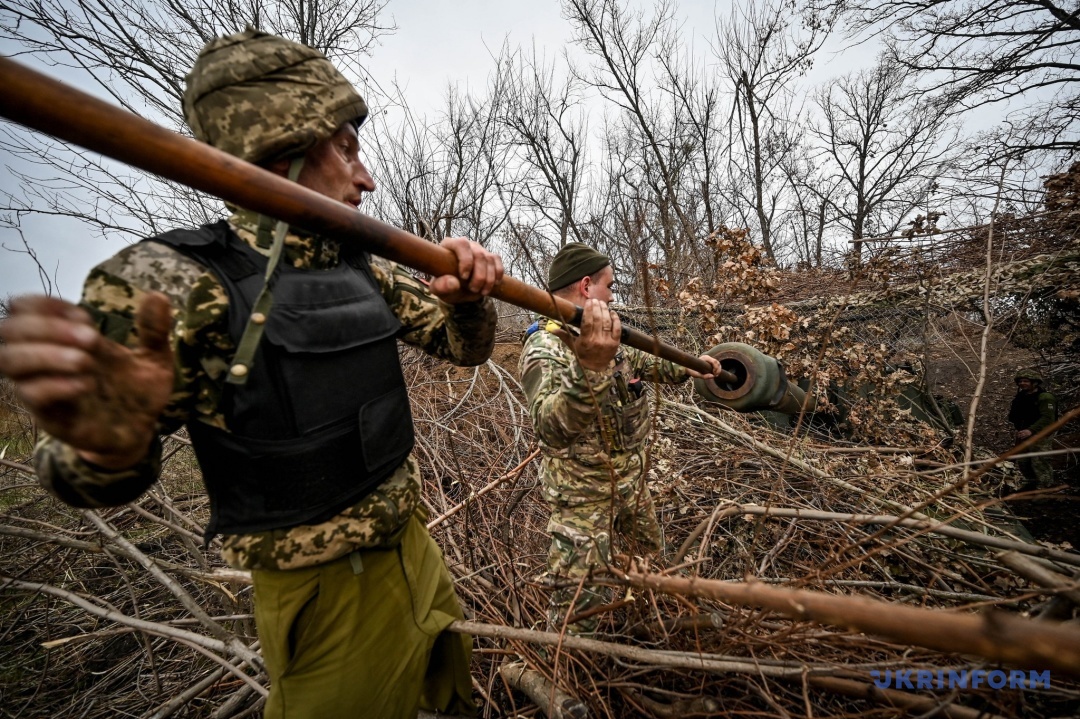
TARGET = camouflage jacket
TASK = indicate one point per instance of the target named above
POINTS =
(1033, 411)
(587, 422)
(203, 348)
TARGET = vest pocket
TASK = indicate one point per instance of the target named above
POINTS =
(386, 430)
(635, 422)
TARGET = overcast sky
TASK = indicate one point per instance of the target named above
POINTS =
(436, 43)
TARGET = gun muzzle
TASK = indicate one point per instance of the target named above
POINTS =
(760, 382)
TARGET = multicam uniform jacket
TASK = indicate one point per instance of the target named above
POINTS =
(587, 422)
(203, 348)
(593, 428)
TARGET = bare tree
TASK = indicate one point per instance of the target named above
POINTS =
(548, 125)
(996, 51)
(811, 198)
(441, 178)
(635, 221)
(651, 153)
(45, 279)
(761, 56)
(881, 146)
(137, 52)
(696, 101)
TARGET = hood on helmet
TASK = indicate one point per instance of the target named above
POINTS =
(1028, 374)
(262, 98)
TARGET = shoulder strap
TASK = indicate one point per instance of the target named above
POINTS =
(208, 245)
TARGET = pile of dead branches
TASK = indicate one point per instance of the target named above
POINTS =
(124, 612)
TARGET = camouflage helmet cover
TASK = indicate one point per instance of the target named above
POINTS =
(261, 97)
(1028, 374)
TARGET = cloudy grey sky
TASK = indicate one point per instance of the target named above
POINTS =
(437, 43)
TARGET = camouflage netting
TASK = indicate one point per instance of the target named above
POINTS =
(874, 334)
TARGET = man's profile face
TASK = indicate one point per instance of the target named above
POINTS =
(333, 168)
(599, 287)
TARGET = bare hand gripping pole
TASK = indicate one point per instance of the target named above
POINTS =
(47, 105)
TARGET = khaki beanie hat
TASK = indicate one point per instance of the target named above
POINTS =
(573, 262)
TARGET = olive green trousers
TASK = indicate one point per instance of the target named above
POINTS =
(363, 636)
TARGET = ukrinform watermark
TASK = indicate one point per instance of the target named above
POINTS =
(963, 679)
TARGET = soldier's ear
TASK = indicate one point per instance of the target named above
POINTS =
(278, 167)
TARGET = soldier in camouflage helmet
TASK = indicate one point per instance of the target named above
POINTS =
(591, 410)
(352, 596)
(1033, 409)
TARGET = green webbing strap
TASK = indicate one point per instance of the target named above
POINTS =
(263, 227)
(242, 361)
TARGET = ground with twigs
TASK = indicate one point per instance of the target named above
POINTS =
(712, 473)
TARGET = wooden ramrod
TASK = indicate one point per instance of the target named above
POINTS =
(749, 380)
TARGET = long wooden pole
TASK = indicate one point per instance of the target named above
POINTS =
(996, 636)
(42, 103)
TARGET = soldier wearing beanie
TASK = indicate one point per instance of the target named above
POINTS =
(591, 410)
(1033, 409)
(291, 391)
(574, 262)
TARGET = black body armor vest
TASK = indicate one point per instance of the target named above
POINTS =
(324, 416)
(1024, 410)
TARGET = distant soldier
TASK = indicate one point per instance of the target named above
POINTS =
(591, 412)
(1032, 410)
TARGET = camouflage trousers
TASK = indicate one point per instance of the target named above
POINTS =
(587, 517)
(1037, 470)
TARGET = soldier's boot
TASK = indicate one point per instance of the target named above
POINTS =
(1031, 478)
(562, 604)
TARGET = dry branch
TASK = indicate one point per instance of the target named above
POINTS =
(784, 455)
(221, 574)
(539, 689)
(112, 615)
(178, 701)
(649, 657)
(555, 703)
(235, 645)
(1034, 550)
(481, 492)
(993, 635)
(1042, 576)
(19, 466)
